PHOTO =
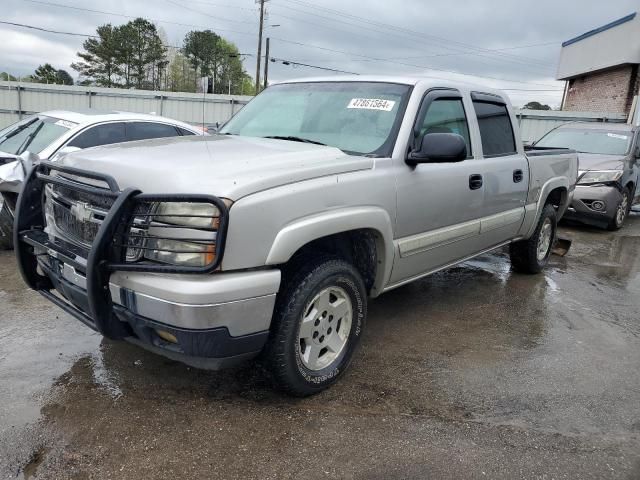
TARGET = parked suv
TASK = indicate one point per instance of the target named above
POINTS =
(608, 178)
(271, 236)
(50, 135)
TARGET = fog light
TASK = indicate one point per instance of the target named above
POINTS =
(597, 205)
(166, 336)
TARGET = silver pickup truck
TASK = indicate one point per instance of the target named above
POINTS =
(270, 237)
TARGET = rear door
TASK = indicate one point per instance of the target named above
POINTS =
(505, 170)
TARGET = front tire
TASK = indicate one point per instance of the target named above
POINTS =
(6, 226)
(318, 322)
(532, 255)
(622, 210)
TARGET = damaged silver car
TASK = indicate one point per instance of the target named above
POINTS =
(608, 177)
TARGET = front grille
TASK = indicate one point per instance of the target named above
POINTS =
(77, 216)
(82, 231)
(172, 233)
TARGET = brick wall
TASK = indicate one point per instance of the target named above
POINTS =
(609, 91)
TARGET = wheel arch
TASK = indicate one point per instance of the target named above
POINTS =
(362, 235)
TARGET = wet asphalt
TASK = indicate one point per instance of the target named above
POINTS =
(475, 372)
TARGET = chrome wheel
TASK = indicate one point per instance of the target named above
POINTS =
(325, 327)
(545, 239)
(623, 208)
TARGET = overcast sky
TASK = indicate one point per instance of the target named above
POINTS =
(420, 37)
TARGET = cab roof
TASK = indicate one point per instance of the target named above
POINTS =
(90, 116)
(411, 80)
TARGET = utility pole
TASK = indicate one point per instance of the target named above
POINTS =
(258, 58)
(266, 64)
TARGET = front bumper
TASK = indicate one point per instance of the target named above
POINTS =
(207, 320)
(586, 198)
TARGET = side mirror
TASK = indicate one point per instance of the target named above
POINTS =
(638, 151)
(439, 148)
(64, 151)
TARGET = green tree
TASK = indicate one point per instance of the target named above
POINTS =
(142, 54)
(200, 48)
(45, 74)
(63, 78)
(100, 61)
(213, 56)
(7, 77)
(181, 75)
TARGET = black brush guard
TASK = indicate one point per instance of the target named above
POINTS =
(108, 250)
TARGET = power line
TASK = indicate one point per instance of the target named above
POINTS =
(134, 17)
(447, 43)
(216, 17)
(409, 64)
(291, 62)
(41, 29)
(532, 66)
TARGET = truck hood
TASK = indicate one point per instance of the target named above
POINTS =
(226, 166)
(594, 161)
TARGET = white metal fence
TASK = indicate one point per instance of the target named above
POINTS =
(535, 123)
(19, 99)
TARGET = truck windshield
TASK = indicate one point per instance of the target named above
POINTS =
(34, 134)
(360, 118)
(604, 142)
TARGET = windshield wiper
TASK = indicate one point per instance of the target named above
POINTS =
(295, 139)
(29, 139)
(18, 130)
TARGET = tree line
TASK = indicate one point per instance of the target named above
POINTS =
(134, 55)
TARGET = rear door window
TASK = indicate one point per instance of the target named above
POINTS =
(148, 130)
(496, 130)
(104, 134)
(184, 132)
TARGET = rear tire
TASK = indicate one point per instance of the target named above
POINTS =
(6, 226)
(317, 324)
(532, 255)
(622, 211)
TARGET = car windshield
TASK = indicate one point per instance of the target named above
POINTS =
(33, 134)
(360, 118)
(605, 142)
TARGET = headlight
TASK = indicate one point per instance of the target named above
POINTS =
(182, 233)
(175, 252)
(601, 176)
(196, 215)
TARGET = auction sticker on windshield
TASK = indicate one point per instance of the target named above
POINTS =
(372, 104)
(619, 137)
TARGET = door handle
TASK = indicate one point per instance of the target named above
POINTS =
(475, 181)
(518, 176)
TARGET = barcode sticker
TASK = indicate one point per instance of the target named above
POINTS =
(372, 104)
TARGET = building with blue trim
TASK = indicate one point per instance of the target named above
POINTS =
(600, 67)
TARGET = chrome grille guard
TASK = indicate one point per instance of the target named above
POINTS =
(108, 251)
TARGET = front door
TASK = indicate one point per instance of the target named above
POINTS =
(438, 204)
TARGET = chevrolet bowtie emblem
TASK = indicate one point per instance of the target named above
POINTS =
(81, 211)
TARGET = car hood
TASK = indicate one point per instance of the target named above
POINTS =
(594, 161)
(226, 166)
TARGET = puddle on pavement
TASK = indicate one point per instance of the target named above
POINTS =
(31, 468)
(474, 343)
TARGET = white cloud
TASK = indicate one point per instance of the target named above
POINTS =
(21, 53)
